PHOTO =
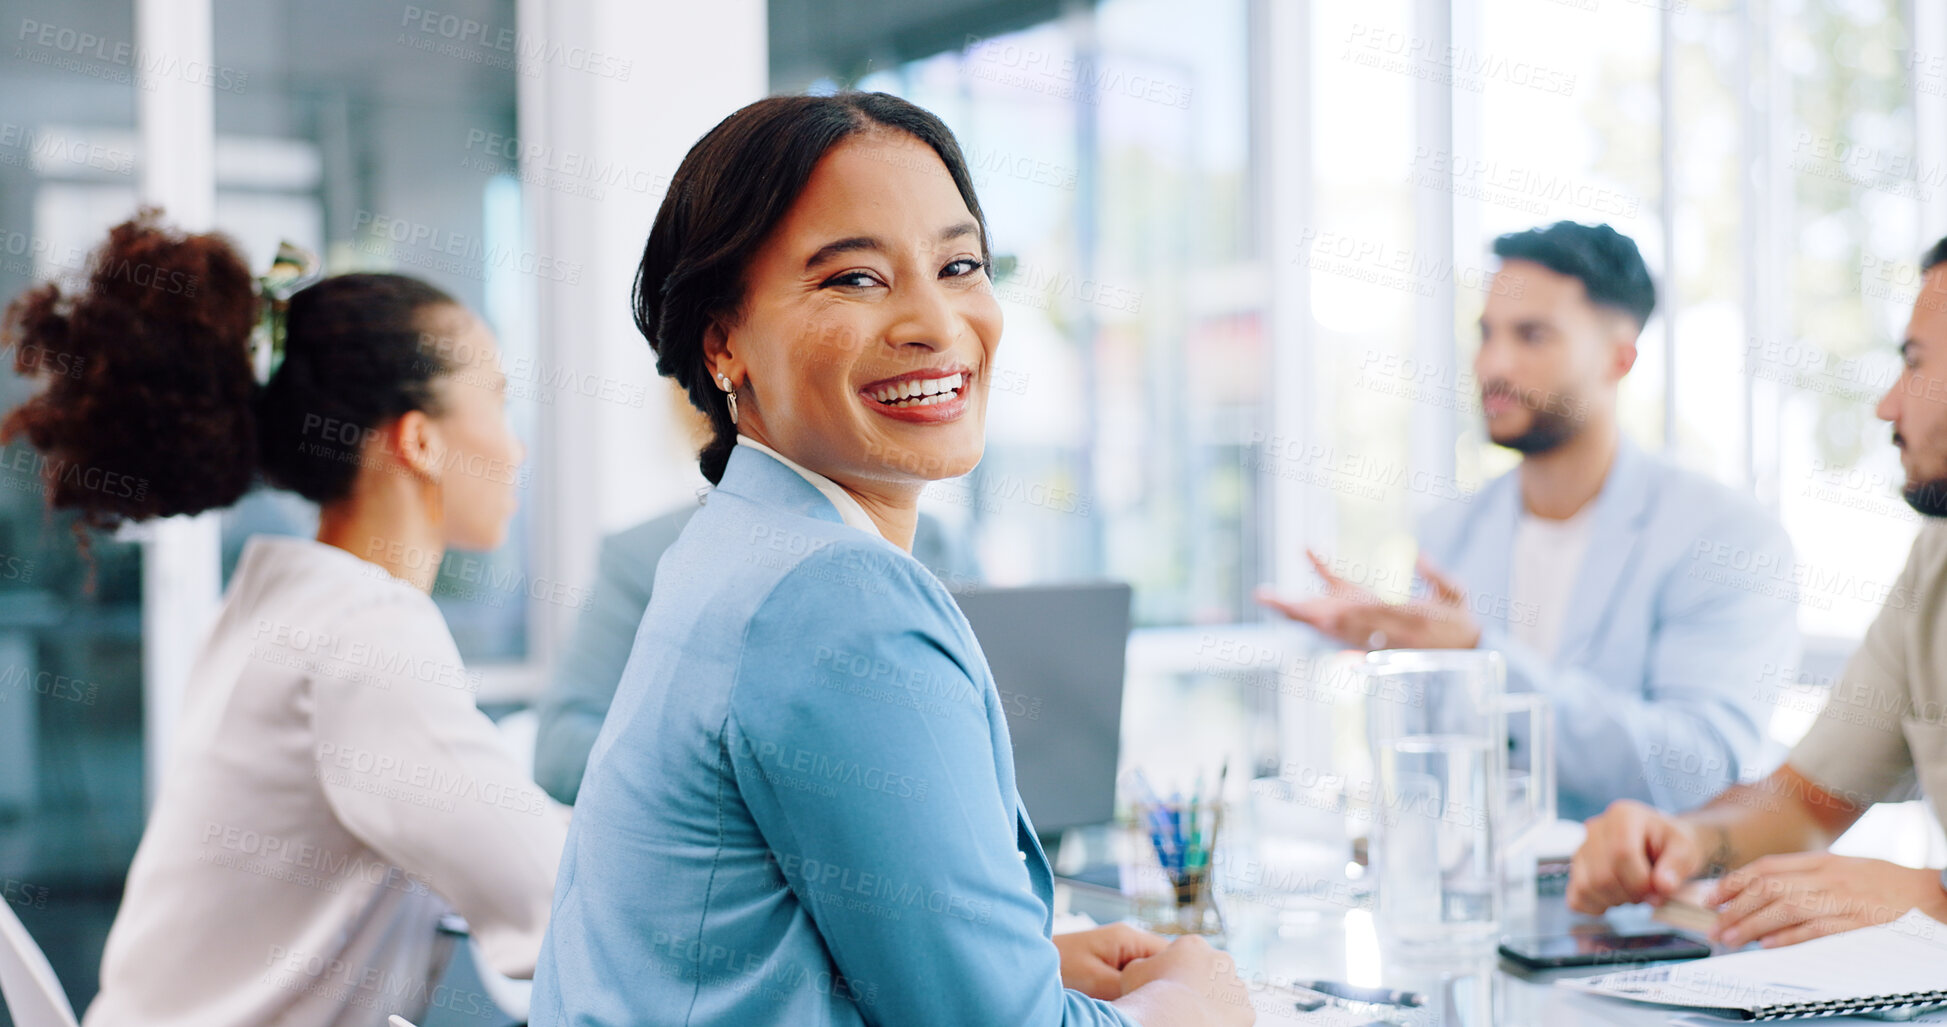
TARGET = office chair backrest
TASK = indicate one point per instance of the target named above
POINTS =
(32, 993)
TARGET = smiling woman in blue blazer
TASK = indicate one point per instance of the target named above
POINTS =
(801, 810)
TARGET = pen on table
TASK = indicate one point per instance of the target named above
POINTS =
(1223, 771)
(1205, 814)
(1192, 858)
(1204, 821)
(1354, 993)
(1160, 834)
(1174, 812)
(1146, 795)
(1314, 1002)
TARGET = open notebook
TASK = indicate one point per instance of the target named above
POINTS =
(1892, 970)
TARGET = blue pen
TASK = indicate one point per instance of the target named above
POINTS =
(1162, 847)
(1175, 813)
(1160, 817)
(1158, 833)
(1161, 834)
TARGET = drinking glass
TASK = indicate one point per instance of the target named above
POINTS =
(1438, 878)
(1530, 806)
(1437, 721)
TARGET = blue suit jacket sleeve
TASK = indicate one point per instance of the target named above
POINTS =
(862, 735)
(1699, 722)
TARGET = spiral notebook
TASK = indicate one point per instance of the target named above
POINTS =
(1893, 971)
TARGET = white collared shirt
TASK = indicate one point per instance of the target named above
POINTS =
(849, 509)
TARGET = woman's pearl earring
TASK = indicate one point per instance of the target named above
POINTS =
(730, 393)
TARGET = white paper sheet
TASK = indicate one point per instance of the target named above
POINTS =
(1904, 957)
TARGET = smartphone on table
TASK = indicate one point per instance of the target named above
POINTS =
(1601, 948)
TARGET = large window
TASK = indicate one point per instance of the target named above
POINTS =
(1763, 155)
(1112, 155)
(1559, 119)
(1359, 248)
(1770, 157)
(382, 137)
(71, 645)
(1850, 194)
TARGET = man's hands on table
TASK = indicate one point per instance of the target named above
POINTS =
(1634, 853)
(1786, 899)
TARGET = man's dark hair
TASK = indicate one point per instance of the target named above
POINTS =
(1607, 263)
(1935, 257)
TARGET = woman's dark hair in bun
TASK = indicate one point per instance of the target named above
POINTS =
(152, 408)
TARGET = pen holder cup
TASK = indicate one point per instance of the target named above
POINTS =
(1173, 893)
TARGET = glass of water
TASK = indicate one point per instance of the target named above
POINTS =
(1437, 875)
(1530, 808)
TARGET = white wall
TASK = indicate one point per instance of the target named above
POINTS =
(667, 73)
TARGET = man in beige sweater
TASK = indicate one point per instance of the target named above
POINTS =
(1883, 727)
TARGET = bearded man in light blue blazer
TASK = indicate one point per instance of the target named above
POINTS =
(1655, 608)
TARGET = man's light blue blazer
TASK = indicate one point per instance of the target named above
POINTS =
(801, 810)
(1681, 620)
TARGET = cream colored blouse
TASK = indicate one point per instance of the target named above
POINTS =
(333, 792)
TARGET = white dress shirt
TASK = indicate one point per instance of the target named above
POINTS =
(849, 509)
(332, 792)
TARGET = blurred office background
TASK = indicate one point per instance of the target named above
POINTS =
(1249, 242)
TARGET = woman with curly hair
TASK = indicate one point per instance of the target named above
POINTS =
(333, 790)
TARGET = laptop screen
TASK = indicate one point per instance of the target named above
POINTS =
(1057, 653)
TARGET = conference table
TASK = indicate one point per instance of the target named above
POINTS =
(1338, 942)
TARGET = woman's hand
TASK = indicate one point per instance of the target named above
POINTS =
(1092, 960)
(1783, 900)
(1187, 983)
